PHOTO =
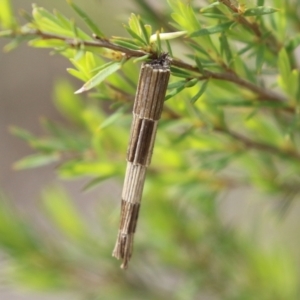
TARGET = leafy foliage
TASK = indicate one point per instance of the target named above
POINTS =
(224, 126)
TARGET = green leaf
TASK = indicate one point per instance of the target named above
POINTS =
(179, 72)
(215, 16)
(87, 19)
(225, 48)
(174, 92)
(144, 31)
(135, 24)
(36, 160)
(112, 118)
(169, 48)
(293, 43)
(135, 35)
(167, 36)
(200, 93)
(49, 43)
(260, 58)
(16, 237)
(7, 19)
(100, 76)
(75, 168)
(258, 11)
(191, 83)
(62, 212)
(76, 74)
(22, 133)
(176, 84)
(199, 64)
(284, 65)
(212, 5)
(142, 58)
(95, 182)
(69, 105)
(213, 29)
(127, 44)
(159, 49)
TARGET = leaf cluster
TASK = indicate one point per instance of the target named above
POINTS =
(231, 119)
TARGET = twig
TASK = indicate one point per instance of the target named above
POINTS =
(257, 145)
(271, 41)
(263, 94)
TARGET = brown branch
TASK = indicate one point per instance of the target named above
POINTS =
(259, 146)
(271, 41)
(230, 76)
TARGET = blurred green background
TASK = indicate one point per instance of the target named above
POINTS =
(261, 244)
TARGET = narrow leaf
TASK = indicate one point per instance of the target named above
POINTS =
(174, 92)
(260, 58)
(167, 36)
(95, 182)
(213, 29)
(127, 44)
(284, 65)
(191, 83)
(99, 77)
(134, 35)
(86, 19)
(158, 42)
(200, 93)
(199, 64)
(35, 160)
(179, 72)
(215, 16)
(258, 11)
(112, 118)
(169, 48)
(225, 48)
(144, 31)
(7, 19)
(176, 84)
(63, 213)
(212, 5)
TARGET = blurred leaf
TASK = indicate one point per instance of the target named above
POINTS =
(293, 43)
(127, 44)
(112, 118)
(180, 72)
(213, 29)
(63, 213)
(95, 182)
(22, 133)
(69, 105)
(75, 168)
(99, 77)
(15, 235)
(200, 93)
(174, 92)
(167, 36)
(212, 5)
(258, 11)
(36, 160)
(225, 48)
(86, 19)
(49, 43)
(7, 19)
(260, 58)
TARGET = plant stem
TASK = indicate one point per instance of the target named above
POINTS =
(230, 76)
(273, 45)
(257, 145)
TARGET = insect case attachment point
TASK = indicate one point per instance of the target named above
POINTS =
(148, 105)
